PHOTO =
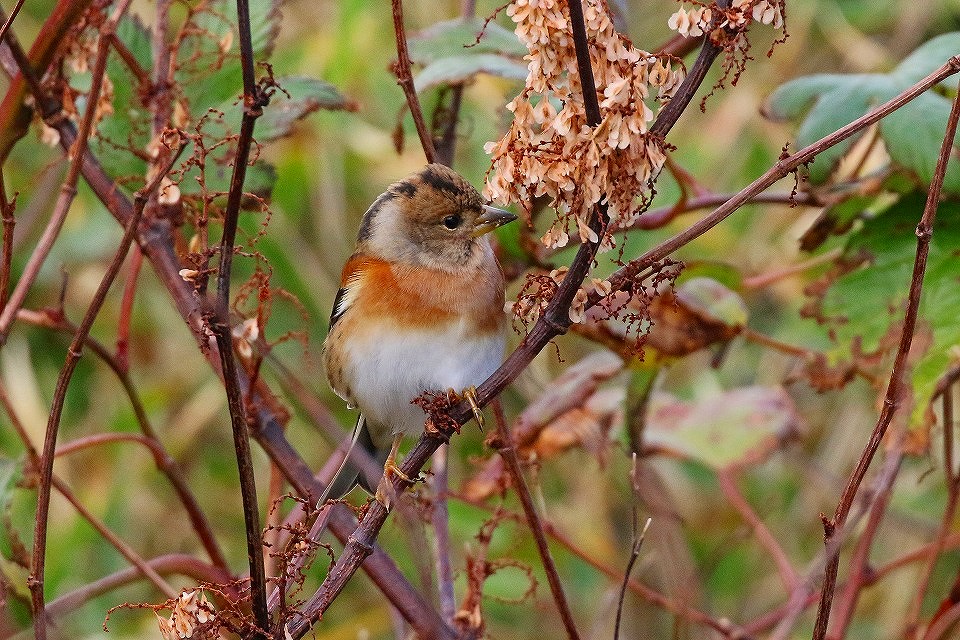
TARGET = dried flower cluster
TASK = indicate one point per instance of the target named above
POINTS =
(551, 151)
(190, 611)
(538, 290)
(696, 21)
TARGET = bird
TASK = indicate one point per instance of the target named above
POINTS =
(420, 308)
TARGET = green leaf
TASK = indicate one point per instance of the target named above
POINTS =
(722, 428)
(824, 103)
(791, 100)
(210, 72)
(926, 58)
(458, 37)
(220, 21)
(914, 136)
(864, 307)
(303, 96)
(457, 69)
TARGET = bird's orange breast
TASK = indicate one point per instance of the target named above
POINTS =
(420, 297)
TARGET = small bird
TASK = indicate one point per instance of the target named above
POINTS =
(420, 308)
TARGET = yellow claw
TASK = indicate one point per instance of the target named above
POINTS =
(390, 468)
(470, 393)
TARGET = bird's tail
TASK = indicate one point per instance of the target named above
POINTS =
(349, 475)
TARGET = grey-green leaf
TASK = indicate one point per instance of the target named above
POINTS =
(457, 69)
(926, 58)
(459, 37)
(306, 95)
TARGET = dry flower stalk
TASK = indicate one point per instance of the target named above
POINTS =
(551, 151)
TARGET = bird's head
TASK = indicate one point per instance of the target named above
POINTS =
(432, 218)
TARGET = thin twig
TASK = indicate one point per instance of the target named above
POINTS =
(6, 257)
(254, 99)
(125, 550)
(440, 519)
(446, 147)
(405, 80)
(502, 441)
(894, 394)
(725, 627)
(859, 571)
(946, 521)
(728, 485)
(73, 355)
(9, 21)
(788, 163)
(174, 563)
(638, 538)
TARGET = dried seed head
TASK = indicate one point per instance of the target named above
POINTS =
(550, 150)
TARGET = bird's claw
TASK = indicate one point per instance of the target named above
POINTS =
(470, 393)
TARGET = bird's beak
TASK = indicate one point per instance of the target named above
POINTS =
(491, 219)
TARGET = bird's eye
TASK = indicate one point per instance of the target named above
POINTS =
(452, 222)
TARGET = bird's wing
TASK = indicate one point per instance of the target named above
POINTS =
(339, 307)
(349, 281)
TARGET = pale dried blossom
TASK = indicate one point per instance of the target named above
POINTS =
(551, 151)
(169, 192)
(189, 275)
(578, 308)
(190, 610)
(695, 21)
(245, 335)
(48, 135)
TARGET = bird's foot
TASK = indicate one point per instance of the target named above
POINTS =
(470, 393)
(385, 490)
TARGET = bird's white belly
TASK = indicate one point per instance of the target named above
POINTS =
(392, 367)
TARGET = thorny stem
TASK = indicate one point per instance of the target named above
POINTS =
(405, 80)
(894, 392)
(503, 442)
(73, 353)
(254, 99)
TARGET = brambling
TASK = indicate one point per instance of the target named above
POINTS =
(420, 308)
